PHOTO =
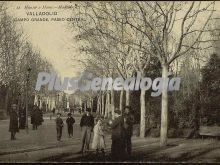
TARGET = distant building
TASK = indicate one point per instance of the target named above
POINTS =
(45, 102)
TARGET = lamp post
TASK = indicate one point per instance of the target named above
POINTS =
(26, 97)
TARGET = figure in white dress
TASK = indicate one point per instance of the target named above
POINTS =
(99, 139)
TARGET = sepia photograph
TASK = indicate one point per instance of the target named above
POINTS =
(109, 82)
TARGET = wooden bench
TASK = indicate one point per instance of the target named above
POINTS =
(213, 131)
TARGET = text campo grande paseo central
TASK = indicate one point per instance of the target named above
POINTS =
(47, 19)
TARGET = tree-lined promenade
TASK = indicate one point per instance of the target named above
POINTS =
(127, 41)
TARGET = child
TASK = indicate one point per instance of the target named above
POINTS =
(98, 139)
(70, 121)
(59, 126)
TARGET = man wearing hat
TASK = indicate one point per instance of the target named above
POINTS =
(86, 124)
(70, 121)
(118, 139)
(59, 126)
(13, 126)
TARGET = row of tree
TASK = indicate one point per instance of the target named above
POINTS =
(20, 63)
(154, 38)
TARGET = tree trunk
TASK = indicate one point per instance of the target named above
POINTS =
(113, 104)
(80, 103)
(107, 102)
(121, 100)
(100, 100)
(127, 98)
(85, 106)
(103, 104)
(92, 104)
(143, 113)
(164, 109)
(98, 108)
(88, 103)
(100, 105)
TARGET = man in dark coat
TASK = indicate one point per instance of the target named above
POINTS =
(59, 126)
(13, 126)
(36, 117)
(118, 137)
(128, 126)
(70, 121)
(86, 124)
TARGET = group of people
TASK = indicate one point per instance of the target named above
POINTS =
(18, 119)
(59, 125)
(121, 128)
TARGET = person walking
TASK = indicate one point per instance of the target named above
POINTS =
(13, 125)
(98, 142)
(86, 124)
(118, 137)
(59, 126)
(128, 126)
(70, 121)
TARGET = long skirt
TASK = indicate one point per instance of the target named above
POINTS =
(98, 142)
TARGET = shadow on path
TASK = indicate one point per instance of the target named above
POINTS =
(148, 152)
(137, 155)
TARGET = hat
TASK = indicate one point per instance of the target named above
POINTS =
(59, 113)
(117, 111)
(14, 105)
(69, 114)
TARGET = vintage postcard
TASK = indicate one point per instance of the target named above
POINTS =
(109, 81)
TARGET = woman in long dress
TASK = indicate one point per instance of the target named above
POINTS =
(99, 138)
